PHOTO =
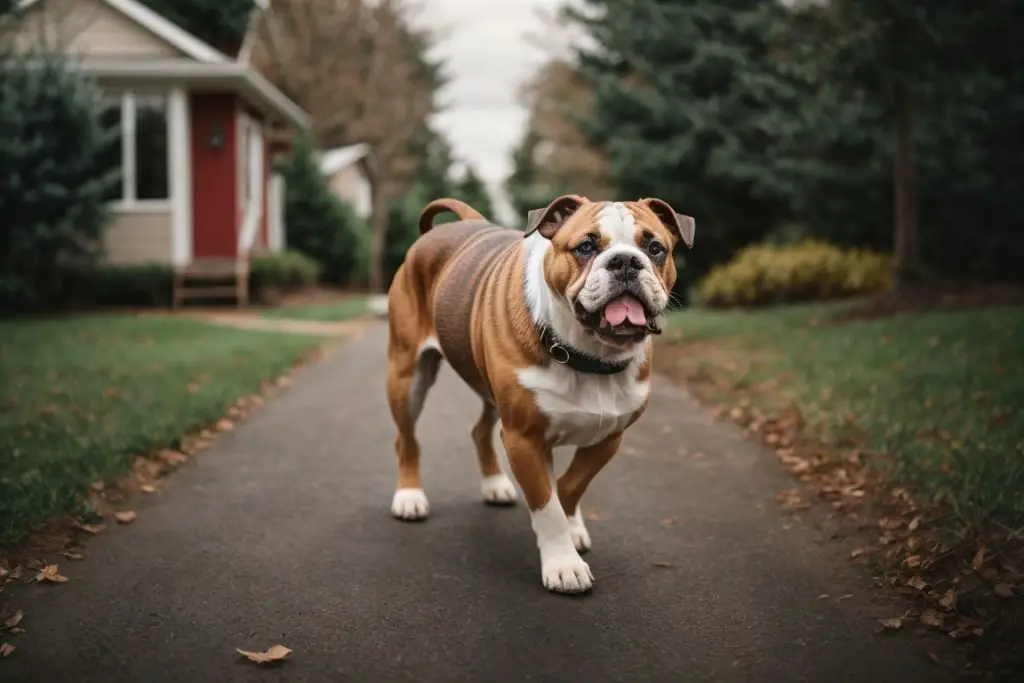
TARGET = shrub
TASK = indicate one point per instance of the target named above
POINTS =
(282, 272)
(765, 274)
(320, 224)
(56, 177)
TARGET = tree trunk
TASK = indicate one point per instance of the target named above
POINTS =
(378, 238)
(907, 250)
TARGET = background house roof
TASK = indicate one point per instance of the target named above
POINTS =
(334, 160)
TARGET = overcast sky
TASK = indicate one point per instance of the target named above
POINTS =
(488, 54)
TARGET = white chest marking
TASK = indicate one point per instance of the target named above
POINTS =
(583, 410)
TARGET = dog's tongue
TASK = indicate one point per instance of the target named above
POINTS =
(616, 312)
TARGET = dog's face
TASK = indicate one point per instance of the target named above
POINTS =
(612, 262)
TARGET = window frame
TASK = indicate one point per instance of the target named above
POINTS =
(129, 201)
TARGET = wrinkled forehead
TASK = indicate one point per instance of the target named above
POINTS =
(616, 223)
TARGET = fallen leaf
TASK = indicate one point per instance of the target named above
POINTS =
(934, 657)
(71, 555)
(147, 488)
(273, 654)
(225, 425)
(668, 521)
(822, 596)
(892, 624)
(592, 515)
(948, 600)
(979, 558)
(844, 597)
(6, 649)
(1003, 590)
(14, 619)
(125, 516)
(662, 565)
(91, 528)
(931, 618)
(913, 561)
(172, 457)
(50, 573)
(16, 630)
(858, 552)
(917, 582)
(914, 523)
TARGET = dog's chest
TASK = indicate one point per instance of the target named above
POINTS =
(584, 409)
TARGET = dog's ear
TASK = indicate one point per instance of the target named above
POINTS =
(682, 226)
(548, 220)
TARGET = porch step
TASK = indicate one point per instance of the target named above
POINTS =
(212, 278)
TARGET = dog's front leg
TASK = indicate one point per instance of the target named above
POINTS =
(586, 463)
(562, 568)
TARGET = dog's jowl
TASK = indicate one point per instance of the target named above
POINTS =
(551, 328)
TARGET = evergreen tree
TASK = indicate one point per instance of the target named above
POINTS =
(688, 106)
(60, 166)
(472, 190)
(320, 224)
(219, 23)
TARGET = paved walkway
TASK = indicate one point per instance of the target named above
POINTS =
(281, 534)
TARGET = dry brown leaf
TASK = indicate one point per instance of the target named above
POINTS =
(225, 425)
(6, 649)
(1003, 590)
(71, 555)
(668, 521)
(592, 515)
(662, 565)
(931, 618)
(16, 630)
(893, 624)
(125, 516)
(917, 582)
(858, 552)
(913, 561)
(274, 654)
(14, 619)
(934, 657)
(50, 573)
(979, 558)
(147, 488)
(914, 523)
(948, 600)
(172, 457)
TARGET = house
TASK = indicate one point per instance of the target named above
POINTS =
(346, 172)
(198, 132)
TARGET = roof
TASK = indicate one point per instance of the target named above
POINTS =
(238, 77)
(207, 64)
(159, 26)
(334, 160)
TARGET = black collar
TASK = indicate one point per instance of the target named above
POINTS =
(564, 354)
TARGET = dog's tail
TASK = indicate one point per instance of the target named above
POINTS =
(463, 210)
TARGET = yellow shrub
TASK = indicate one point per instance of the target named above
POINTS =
(764, 274)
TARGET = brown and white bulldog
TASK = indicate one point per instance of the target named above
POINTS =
(551, 329)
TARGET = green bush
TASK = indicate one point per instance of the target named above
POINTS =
(282, 272)
(320, 224)
(765, 274)
(56, 176)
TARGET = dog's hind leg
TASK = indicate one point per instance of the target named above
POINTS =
(495, 486)
(409, 380)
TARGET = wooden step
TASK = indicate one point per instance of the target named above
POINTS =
(209, 278)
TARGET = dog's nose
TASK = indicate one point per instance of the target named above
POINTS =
(625, 266)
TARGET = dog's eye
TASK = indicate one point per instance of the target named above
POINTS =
(655, 248)
(585, 249)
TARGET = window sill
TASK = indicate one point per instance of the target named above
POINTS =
(153, 206)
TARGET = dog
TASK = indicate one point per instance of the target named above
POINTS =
(552, 328)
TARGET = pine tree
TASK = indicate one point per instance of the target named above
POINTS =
(472, 190)
(60, 166)
(320, 224)
(688, 104)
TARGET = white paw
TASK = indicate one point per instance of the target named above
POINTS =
(410, 505)
(498, 489)
(567, 575)
(579, 533)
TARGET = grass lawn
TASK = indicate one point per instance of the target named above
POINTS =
(336, 311)
(79, 396)
(939, 396)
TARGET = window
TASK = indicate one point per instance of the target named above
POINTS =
(143, 154)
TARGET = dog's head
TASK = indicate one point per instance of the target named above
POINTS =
(612, 262)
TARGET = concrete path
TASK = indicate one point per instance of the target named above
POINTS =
(281, 534)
